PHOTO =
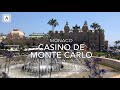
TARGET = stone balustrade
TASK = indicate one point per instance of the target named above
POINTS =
(113, 63)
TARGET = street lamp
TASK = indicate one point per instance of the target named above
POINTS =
(39, 68)
(88, 40)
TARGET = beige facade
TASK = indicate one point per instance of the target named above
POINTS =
(92, 38)
(16, 34)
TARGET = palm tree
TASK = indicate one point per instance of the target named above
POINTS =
(95, 26)
(39, 69)
(53, 23)
(119, 43)
(116, 42)
(50, 34)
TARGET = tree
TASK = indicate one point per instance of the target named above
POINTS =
(53, 23)
(116, 43)
(50, 34)
(95, 26)
(2, 45)
(119, 43)
(15, 40)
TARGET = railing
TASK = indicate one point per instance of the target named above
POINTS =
(15, 60)
(113, 63)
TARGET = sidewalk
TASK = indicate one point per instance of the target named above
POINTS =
(118, 76)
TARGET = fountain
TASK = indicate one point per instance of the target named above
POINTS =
(51, 67)
(42, 66)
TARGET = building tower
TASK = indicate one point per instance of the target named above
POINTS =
(85, 27)
(66, 28)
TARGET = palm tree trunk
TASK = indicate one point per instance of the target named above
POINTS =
(23, 60)
(39, 68)
(52, 28)
(51, 67)
(88, 41)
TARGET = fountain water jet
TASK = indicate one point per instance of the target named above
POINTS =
(41, 66)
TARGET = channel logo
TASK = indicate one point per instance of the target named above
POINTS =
(6, 18)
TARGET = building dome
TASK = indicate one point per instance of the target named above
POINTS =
(17, 32)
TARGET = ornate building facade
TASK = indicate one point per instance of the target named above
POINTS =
(92, 38)
(16, 36)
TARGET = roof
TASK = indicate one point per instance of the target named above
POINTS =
(17, 31)
(37, 34)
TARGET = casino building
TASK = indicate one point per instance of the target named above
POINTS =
(92, 38)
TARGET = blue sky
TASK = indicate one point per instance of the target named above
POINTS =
(36, 22)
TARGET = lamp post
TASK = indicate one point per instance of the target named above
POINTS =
(51, 65)
(88, 40)
(39, 69)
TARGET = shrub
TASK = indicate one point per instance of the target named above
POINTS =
(93, 66)
(99, 54)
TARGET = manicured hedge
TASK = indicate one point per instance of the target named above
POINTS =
(99, 54)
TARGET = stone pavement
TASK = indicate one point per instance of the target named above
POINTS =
(118, 76)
